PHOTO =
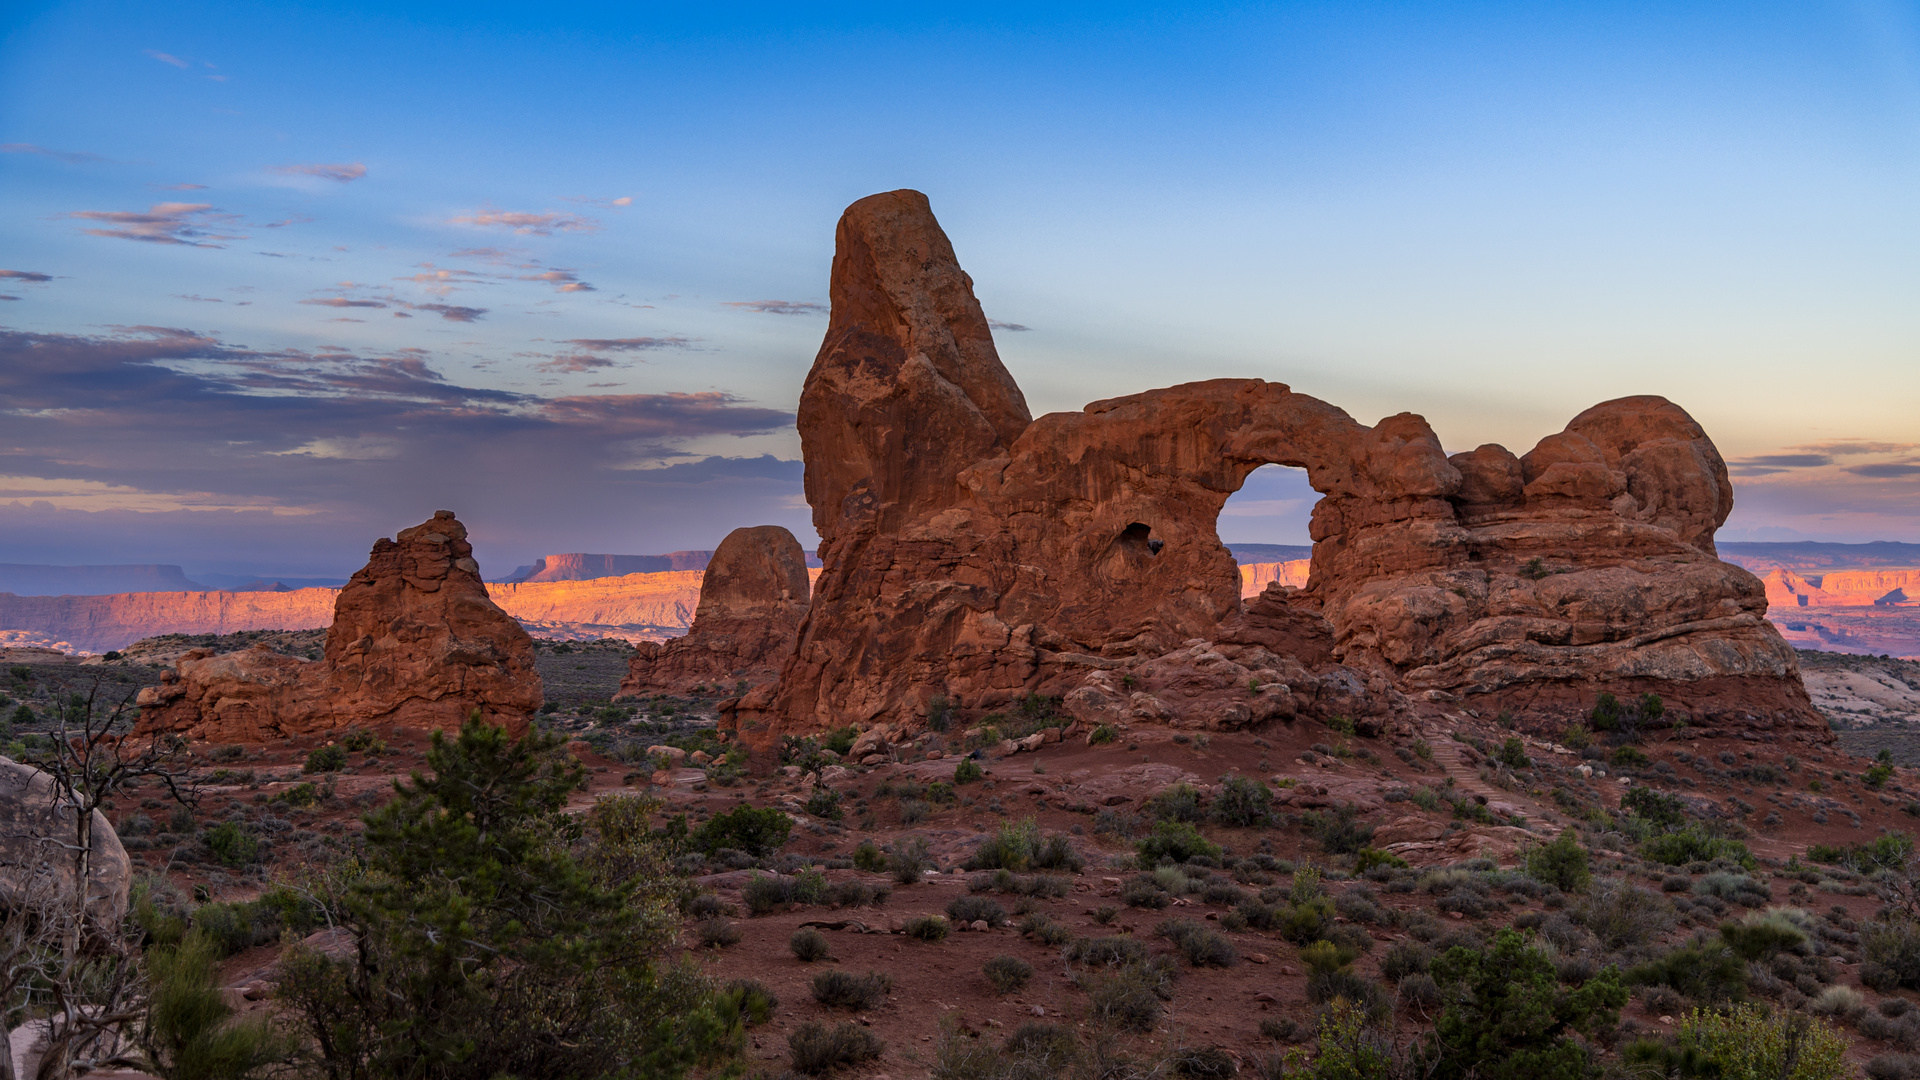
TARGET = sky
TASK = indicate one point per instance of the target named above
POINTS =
(280, 279)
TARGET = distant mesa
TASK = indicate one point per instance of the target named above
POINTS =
(580, 566)
(28, 579)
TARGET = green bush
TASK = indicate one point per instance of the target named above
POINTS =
(1242, 802)
(815, 1049)
(1561, 864)
(1693, 844)
(1705, 971)
(1368, 858)
(845, 990)
(230, 843)
(1890, 954)
(825, 803)
(1339, 831)
(1629, 757)
(968, 771)
(1102, 734)
(1513, 754)
(927, 928)
(1007, 973)
(1508, 1017)
(324, 759)
(967, 909)
(909, 861)
(190, 1030)
(716, 932)
(1179, 802)
(1175, 840)
(1658, 808)
(1890, 851)
(748, 1001)
(758, 831)
(808, 945)
(1201, 946)
(1748, 1043)
(868, 856)
(1623, 915)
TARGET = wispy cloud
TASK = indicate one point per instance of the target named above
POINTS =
(1886, 470)
(168, 58)
(452, 312)
(779, 307)
(343, 302)
(162, 223)
(575, 363)
(1011, 327)
(344, 174)
(201, 299)
(562, 281)
(630, 344)
(24, 275)
(619, 203)
(4, 296)
(544, 223)
(178, 187)
(71, 157)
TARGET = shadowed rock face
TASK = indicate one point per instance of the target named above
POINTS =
(37, 835)
(972, 552)
(415, 641)
(752, 598)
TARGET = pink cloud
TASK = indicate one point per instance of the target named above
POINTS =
(68, 156)
(162, 223)
(342, 302)
(545, 223)
(562, 280)
(25, 275)
(167, 58)
(344, 174)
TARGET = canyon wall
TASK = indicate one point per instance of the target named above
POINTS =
(99, 623)
(1255, 577)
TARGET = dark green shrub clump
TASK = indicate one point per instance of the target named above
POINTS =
(868, 856)
(1176, 841)
(927, 928)
(323, 759)
(1562, 864)
(230, 843)
(1007, 973)
(1509, 1017)
(817, 1049)
(758, 831)
(845, 990)
(1340, 830)
(968, 909)
(1707, 972)
(968, 771)
(1242, 802)
(808, 945)
(1201, 946)
(1693, 844)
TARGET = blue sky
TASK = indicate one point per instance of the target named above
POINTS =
(558, 269)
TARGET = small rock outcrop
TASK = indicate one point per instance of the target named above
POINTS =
(979, 554)
(37, 838)
(415, 642)
(753, 597)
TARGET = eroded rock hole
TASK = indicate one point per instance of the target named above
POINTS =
(1140, 535)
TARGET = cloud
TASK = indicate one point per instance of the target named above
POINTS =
(452, 312)
(201, 299)
(1885, 470)
(779, 307)
(1847, 447)
(24, 275)
(162, 223)
(630, 344)
(344, 174)
(545, 223)
(575, 363)
(71, 157)
(167, 58)
(662, 415)
(622, 201)
(343, 302)
(4, 296)
(563, 281)
(178, 187)
(1012, 327)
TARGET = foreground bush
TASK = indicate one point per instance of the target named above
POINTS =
(817, 1049)
(1561, 864)
(1508, 1017)
(497, 936)
(845, 990)
(1745, 1043)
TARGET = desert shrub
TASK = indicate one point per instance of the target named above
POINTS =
(968, 909)
(1406, 958)
(868, 856)
(764, 893)
(1223, 894)
(1737, 888)
(1180, 802)
(1242, 802)
(808, 945)
(232, 928)
(1657, 808)
(968, 772)
(1746, 1042)
(1758, 937)
(1303, 922)
(1508, 1017)
(1561, 864)
(749, 1000)
(1894, 1067)
(927, 928)
(1368, 858)
(1339, 831)
(1842, 1002)
(1513, 754)
(1705, 971)
(324, 759)
(1040, 1050)
(1419, 993)
(1694, 844)
(815, 1049)
(1177, 841)
(845, 990)
(1890, 954)
(1143, 892)
(230, 843)
(825, 803)
(1358, 904)
(1044, 930)
(1127, 997)
(758, 831)
(1202, 1062)
(716, 932)
(1628, 757)
(1889, 851)
(1201, 946)
(1007, 973)
(909, 861)
(1105, 952)
(1623, 915)
(857, 894)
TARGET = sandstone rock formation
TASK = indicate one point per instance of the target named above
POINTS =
(1255, 577)
(974, 552)
(37, 834)
(415, 642)
(752, 599)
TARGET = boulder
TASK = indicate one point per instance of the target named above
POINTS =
(415, 642)
(753, 597)
(37, 834)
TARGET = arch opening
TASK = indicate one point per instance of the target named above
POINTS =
(1265, 526)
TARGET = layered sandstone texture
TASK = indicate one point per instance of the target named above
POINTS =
(753, 597)
(974, 552)
(415, 642)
